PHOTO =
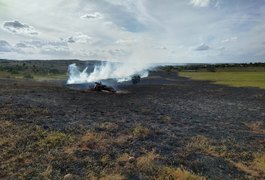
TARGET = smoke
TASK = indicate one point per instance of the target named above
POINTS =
(118, 71)
(138, 62)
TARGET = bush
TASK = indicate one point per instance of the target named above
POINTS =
(140, 131)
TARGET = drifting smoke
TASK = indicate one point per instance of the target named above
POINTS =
(117, 71)
(138, 62)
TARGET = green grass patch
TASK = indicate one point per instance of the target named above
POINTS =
(50, 77)
(141, 131)
(33, 76)
(235, 79)
(55, 139)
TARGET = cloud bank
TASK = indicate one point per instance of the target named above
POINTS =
(200, 3)
(17, 27)
(5, 46)
(95, 15)
(135, 31)
(202, 47)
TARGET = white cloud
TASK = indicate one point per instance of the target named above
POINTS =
(42, 43)
(200, 3)
(231, 39)
(17, 27)
(5, 46)
(95, 15)
(22, 45)
(202, 47)
(126, 41)
(79, 38)
(117, 52)
(220, 48)
(135, 30)
(55, 50)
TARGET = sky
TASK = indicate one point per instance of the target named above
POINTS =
(157, 31)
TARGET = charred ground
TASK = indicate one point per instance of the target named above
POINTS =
(165, 127)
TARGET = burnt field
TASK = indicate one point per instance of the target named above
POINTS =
(166, 127)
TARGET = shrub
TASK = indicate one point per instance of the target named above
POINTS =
(146, 163)
(256, 126)
(54, 139)
(140, 131)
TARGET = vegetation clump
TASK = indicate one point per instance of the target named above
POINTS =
(259, 161)
(256, 127)
(169, 173)
(54, 139)
(140, 131)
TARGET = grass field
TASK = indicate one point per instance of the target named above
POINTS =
(235, 79)
(35, 70)
(34, 76)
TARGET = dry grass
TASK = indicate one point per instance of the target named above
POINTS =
(259, 162)
(46, 175)
(146, 162)
(25, 146)
(122, 138)
(255, 168)
(5, 111)
(38, 111)
(124, 158)
(54, 139)
(117, 176)
(145, 110)
(140, 131)
(165, 118)
(200, 143)
(168, 173)
(88, 137)
(149, 165)
(245, 168)
(43, 150)
(256, 127)
(108, 126)
(105, 159)
(30, 111)
(90, 141)
(205, 145)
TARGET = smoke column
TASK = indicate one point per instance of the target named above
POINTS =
(109, 70)
(138, 62)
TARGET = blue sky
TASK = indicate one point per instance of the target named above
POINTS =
(178, 31)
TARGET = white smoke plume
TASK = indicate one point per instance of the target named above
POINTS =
(118, 71)
(139, 62)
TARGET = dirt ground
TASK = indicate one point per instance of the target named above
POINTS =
(166, 122)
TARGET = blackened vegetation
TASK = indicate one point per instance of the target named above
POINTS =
(167, 127)
(136, 79)
(101, 87)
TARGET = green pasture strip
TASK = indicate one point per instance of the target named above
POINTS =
(235, 79)
(34, 76)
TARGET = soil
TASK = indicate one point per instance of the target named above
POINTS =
(174, 109)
